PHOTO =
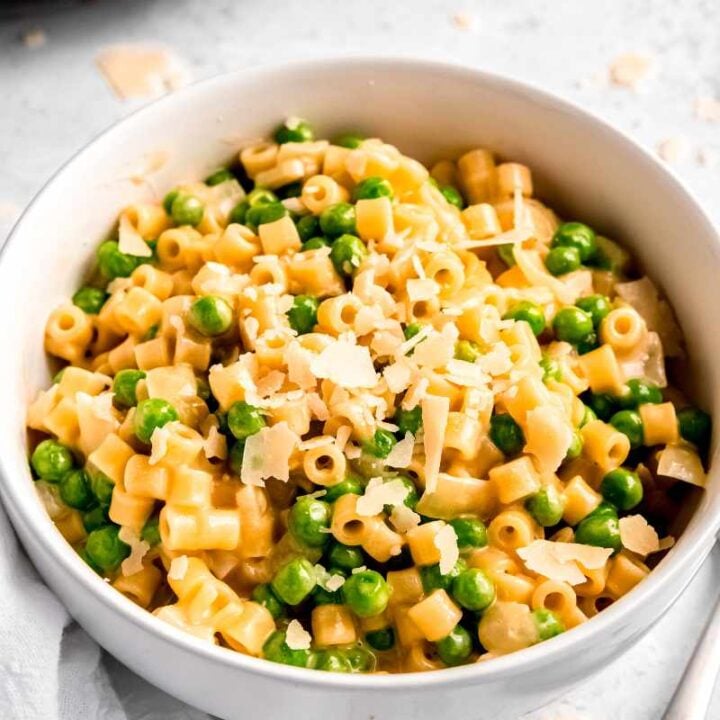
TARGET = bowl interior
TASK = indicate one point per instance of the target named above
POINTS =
(581, 167)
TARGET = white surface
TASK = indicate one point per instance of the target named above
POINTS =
(554, 44)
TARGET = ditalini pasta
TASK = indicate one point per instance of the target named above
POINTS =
(335, 410)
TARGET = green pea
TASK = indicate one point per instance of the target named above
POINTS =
(151, 333)
(361, 659)
(604, 406)
(83, 554)
(630, 424)
(294, 581)
(573, 325)
(381, 443)
(239, 212)
(695, 426)
(219, 176)
(366, 593)
(372, 187)
(507, 254)
(314, 243)
(562, 260)
(576, 446)
(453, 196)
(235, 456)
(347, 254)
(456, 648)
(338, 219)
(548, 624)
(277, 650)
(381, 640)
(546, 506)
(308, 226)
(113, 263)
(433, 579)
(604, 509)
(471, 532)
(467, 350)
(600, 531)
(309, 521)
(105, 549)
(187, 210)
(264, 213)
(51, 460)
(411, 330)
(588, 344)
(264, 595)
(551, 369)
(95, 518)
(169, 199)
(244, 420)
(333, 661)
(408, 421)
(640, 392)
(350, 140)
(530, 312)
(102, 487)
(303, 313)
(89, 299)
(473, 590)
(151, 531)
(75, 490)
(151, 414)
(210, 315)
(345, 557)
(125, 387)
(622, 488)
(294, 130)
(576, 235)
(506, 434)
(351, 485)
(588, 416)
(596, 306)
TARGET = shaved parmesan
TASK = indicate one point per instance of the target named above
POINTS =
(215, 445)
(497, 361)
(378, 494)
(422, 289)
(342, 436)
(402, 453)
(548, 436)
(534, 270)
(159, 442)
(403, 518)
(130, 241)
(347, 365)
(466, 374)
(318, 408)
(415, 340)
(178, 568)
(267, 455)
(96, 419)
(445, 541)
(435, 411)
(271, 383)
(334, 583)
(438, 349)
(398, 376)
(637, 536)
(682, 463)
(138, 549)
(648, 362)
(563, 561)
(296, 637)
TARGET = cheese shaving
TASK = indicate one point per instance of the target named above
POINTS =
(334, 583)
(435, 411)
(682, 463)
(533, 268)
(466, 374)
(403, 518)
(548, 436)
(317, 407)
(437, 350)
(342, 436)
(138, 549)
(402, 453)
(398, 376)
(378, 494)
(178, 568)
(563, 561)
(347, 365)
(445, 541)
(96, 419)
(130, 241)
(267, 455)
(296, 637)
(637, 536)
(421, 289)
(215, 445)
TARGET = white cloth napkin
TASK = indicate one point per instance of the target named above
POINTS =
(50, 669)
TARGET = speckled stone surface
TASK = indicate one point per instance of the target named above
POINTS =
(54, 101)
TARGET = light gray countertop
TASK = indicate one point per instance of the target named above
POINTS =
(54, 101)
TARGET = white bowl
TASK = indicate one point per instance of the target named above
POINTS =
(582, 166)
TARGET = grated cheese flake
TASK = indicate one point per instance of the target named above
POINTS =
(548, 435)
(402, 453)
(138, 549)
(215, 445)
(318, 408)
(347, 365)
(398, 376)
(421, 289)
(435, 411)
(267, 454)
(466, 374)
(378, 494)
(637, 536)
(159, 442)
(403, 518)
(296, 637)
(563, 561)
(445, 541)
(178, 568)
(130, 241)
(334, 583)
(438, 349)
(96, 419)
(682, 463)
